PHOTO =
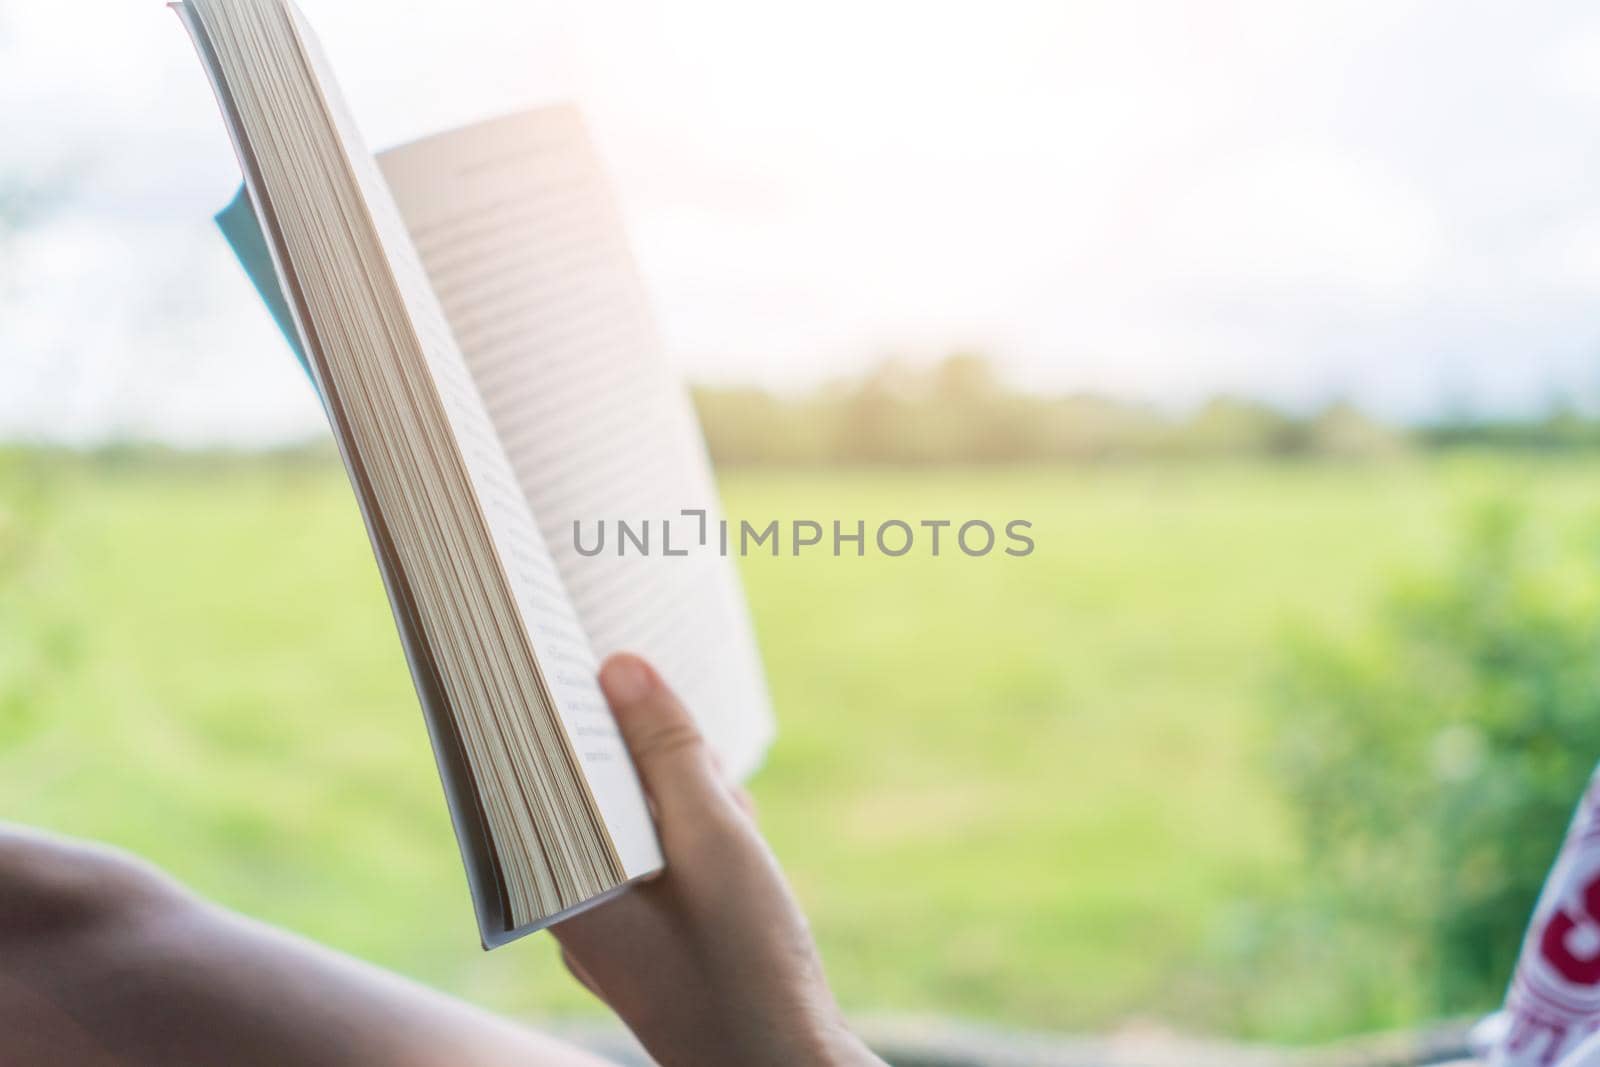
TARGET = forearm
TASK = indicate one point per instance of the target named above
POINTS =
(106, 967)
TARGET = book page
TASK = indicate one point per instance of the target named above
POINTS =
(526, 251)
(564, 655)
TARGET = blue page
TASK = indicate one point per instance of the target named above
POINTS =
(239, 225)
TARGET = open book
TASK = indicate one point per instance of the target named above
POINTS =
(468, 310)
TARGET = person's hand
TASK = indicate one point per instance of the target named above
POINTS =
(711, 962)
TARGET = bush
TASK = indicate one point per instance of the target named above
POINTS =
(1433, 767)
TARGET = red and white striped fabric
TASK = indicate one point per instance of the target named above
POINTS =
(1554, 1000)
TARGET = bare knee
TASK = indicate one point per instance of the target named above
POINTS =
(54, 886)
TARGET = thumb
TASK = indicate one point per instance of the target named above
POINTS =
(676, 766)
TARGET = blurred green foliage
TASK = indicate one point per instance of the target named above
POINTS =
(1044, 781)
(37, 643)
(1433, 760)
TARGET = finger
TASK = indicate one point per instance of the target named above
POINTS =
(746, 802)
(674, 762)
(594, 933)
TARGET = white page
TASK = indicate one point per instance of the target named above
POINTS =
(525, 249)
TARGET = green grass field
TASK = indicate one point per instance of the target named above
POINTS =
(1019, 789)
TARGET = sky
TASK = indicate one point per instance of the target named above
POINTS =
(1394, 203)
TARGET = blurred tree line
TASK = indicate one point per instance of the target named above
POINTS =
(960, 411)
